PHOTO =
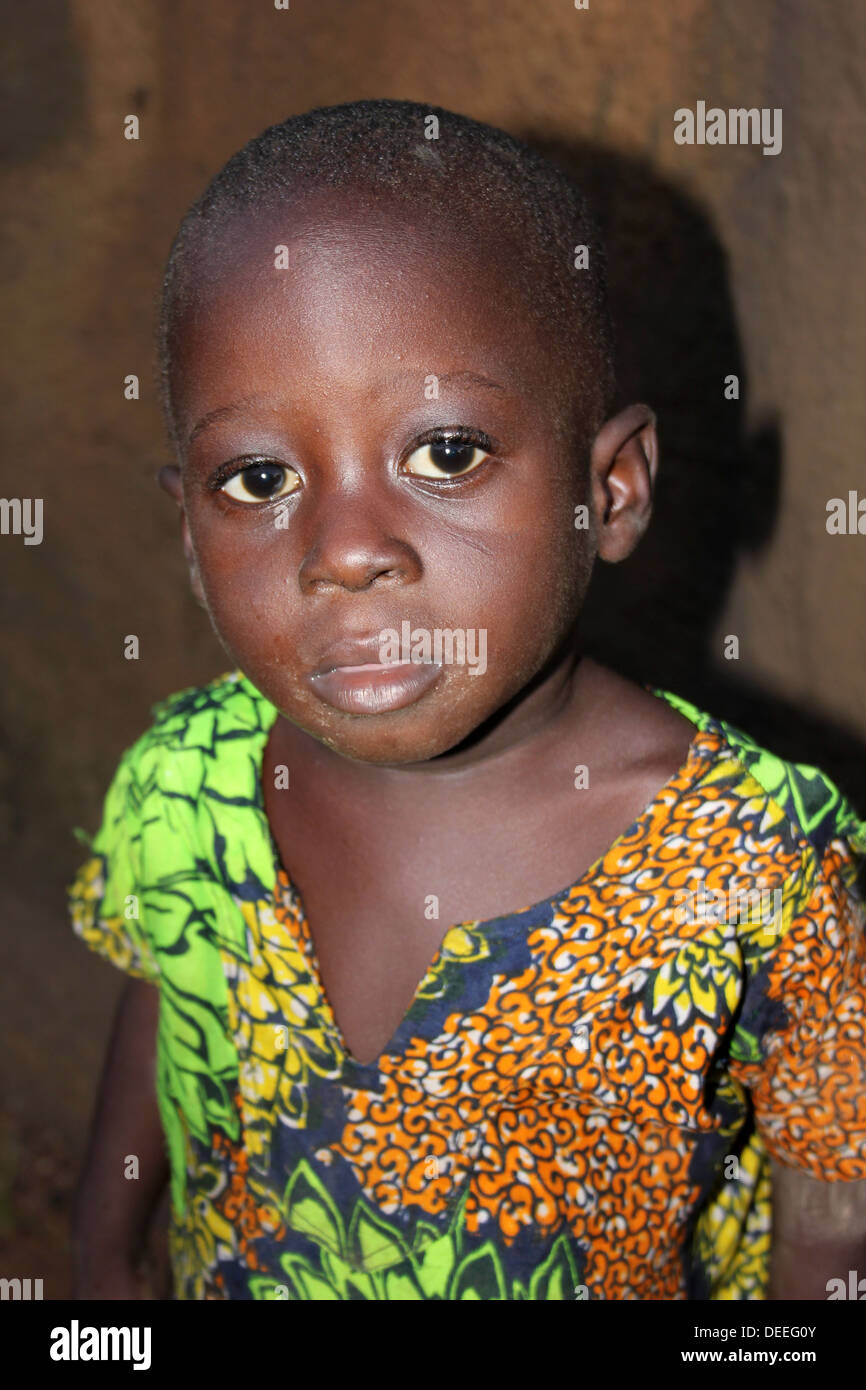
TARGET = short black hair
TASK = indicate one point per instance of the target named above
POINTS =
(386, 145)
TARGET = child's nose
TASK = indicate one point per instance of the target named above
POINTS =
(354, 546)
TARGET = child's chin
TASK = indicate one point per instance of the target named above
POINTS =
(395, 738)
(391, 746)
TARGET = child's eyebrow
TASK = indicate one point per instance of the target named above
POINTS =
(222, 412)
(476, 378)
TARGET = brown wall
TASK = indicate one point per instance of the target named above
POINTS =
(724, 260)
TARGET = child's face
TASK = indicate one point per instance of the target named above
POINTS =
(327, 372)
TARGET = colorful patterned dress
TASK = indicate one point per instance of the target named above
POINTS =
(583, 1096)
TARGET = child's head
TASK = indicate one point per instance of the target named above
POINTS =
(387, 369)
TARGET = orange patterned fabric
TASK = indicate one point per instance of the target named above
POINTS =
(583, 1096)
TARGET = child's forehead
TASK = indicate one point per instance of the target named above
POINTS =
(419, 236)
(339, 282)
(381, 269)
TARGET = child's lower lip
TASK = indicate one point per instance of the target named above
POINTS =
(374, 688)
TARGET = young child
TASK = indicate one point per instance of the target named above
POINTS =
(462, 967)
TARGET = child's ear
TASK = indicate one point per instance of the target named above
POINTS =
(623, 467)
(169, 480)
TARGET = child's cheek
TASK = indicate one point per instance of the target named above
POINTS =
(246, 587)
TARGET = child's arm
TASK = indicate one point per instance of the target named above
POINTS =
(819, 1234)
(112, 1211)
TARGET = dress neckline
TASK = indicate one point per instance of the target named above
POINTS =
(704, 740)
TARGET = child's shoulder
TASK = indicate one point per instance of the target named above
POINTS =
(207, 736)
(230, 699)
(200, 718)
(204, 744)
(759, 788)
(798, 793)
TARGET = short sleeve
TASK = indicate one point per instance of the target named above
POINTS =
(804, 1017)
(105, 898)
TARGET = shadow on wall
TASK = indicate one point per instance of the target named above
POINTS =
(653, 617)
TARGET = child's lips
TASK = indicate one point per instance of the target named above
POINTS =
(374, 687)
(352, 651)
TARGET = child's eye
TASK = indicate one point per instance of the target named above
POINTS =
(445, 458)
(261, 482)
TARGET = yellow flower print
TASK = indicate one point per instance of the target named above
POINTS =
(703, 979)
